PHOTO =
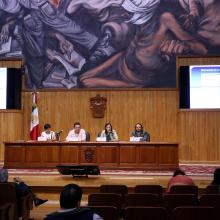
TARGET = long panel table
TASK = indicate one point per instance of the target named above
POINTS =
(114, 155)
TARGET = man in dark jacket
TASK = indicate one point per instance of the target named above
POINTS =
(22, 189)
(70, 198)
(140, 133)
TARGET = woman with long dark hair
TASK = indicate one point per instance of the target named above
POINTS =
(109, 133)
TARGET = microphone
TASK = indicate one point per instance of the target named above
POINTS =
(59, 132)
(58, 135)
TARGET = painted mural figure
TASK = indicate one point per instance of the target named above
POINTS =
(109, 16)
(108, 43)
(42, 13)
(203, 14)
(146, 61)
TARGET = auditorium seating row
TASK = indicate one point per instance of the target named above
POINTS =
(169, 201)
(158, 189)
(149, 202)
(114, 201)
(157, 213)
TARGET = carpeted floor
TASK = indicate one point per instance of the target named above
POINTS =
(192, 170)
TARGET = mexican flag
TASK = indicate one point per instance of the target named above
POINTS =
(34, 128)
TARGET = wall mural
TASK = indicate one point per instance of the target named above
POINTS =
(106, 43)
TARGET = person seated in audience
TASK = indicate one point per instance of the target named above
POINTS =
(179, 178)
(216, 178)
(139, 132)
(21, 188)
(70, 198)
(77, 133)
(109, 133)
(47, 133)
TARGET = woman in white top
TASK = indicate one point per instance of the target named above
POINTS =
(47, 133)
(109, 133)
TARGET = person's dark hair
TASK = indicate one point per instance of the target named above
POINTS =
(216, 179)
(106, 126)
(70, 196)
(140, 125)
(76, 123)
(46, 126)
(178, 171)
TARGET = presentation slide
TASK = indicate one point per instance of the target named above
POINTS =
(3, 87)
(205, 86)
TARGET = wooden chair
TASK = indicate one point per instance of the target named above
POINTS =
(145, 213)
(105, 199)
(155, 189)
(142, 199)
(184, 189)
(212, 189)
(193, 213)
(7, 211)
(106, 212)
(21, 206)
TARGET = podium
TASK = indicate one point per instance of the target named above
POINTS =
(78, 170)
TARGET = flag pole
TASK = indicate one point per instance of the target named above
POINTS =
(34, 126)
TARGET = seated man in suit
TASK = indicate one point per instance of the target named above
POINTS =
(77, 133)
(22, 189)
(139, 132)
(70, 198)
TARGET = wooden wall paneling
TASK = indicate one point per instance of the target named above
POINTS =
(166, 156)
(196, 60)
(128, 155)
(63, 108)
(14, 155)
(11, 127)
(50, 155)
(107, 155)
(148, 155)
(200, 135)
(156, 110)
(69, 155)
(33, 155)
(199, 130)
(94, 153)
(11, 63)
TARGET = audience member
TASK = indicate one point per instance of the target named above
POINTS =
(139, 132)
(216, 178)
(70, 198)
(22, 189)
(47, 133)
(179, 178)
(109, 133)
(77, 133)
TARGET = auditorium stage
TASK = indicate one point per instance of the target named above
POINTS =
(48, 182)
